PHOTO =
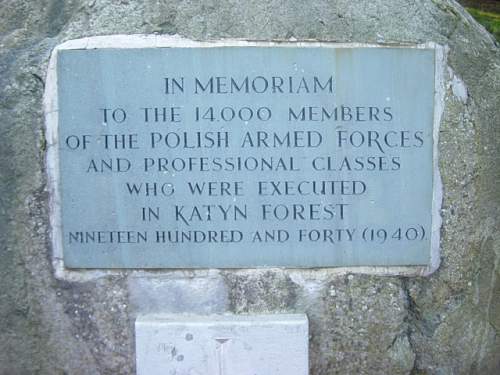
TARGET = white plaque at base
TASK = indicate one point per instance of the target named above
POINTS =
(222, 344)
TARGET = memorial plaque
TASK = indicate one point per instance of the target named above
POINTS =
(232, 156)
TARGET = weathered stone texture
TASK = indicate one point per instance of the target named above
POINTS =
(448, 323)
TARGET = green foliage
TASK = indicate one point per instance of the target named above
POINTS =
(490, 20)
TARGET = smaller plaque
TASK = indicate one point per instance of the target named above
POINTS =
(222, 345)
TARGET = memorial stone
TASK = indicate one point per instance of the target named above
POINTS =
(88, 87)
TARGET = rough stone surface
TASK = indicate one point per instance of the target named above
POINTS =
(448, 323)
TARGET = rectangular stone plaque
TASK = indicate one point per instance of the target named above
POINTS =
(222, 345)
(245, 155)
